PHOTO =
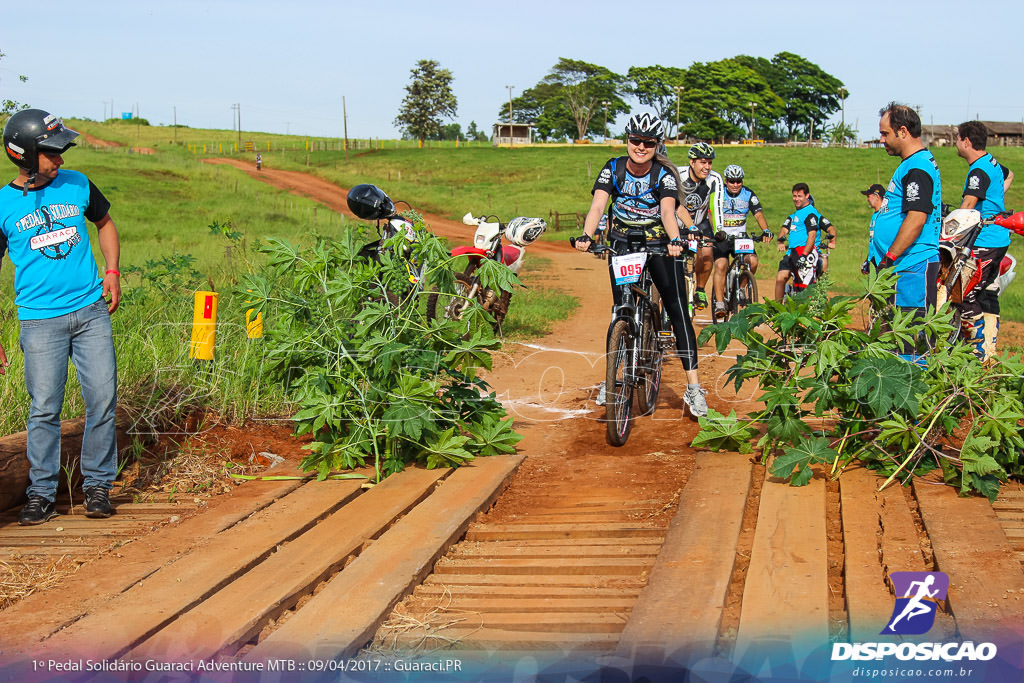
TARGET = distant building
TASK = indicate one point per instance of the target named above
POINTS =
(1000, 134)
(512, 134)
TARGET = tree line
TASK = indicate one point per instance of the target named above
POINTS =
(785, 97)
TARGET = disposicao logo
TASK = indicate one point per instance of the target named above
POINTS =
(917, 596)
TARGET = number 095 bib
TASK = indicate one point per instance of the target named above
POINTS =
(628, 267)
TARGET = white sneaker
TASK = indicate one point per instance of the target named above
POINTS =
(695, 401)
(601, 398)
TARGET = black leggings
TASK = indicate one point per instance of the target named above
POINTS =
(668, 276)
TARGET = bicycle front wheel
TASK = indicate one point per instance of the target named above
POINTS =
(648, 380)
(747, 290)
(619, 372)
(452, 306)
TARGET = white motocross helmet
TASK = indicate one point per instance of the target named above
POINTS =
(524, 231)
(958, 223)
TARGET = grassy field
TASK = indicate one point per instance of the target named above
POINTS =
(165, 202)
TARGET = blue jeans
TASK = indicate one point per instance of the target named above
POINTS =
(86, 338)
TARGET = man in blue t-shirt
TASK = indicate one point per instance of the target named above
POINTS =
(907, 228)
(797, 237)
(984, 190)
(874, 196)
(61, 307)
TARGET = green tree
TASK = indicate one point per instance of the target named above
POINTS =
(718, 97)
(428, 101)
(811, 94)
(655, 86)
(7, 105)
(570, 101)
(452, 131)
(475, 134)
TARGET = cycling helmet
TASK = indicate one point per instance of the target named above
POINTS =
(646, 126)
(370, 203)
(31, 131)
(523, 231)
(702, 150)
(733, 172)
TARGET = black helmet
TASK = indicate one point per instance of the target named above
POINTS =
(370, 203)
(646, 126)
(702, 150)
(31, 131)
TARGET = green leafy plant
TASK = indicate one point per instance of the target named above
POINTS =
(375, 380)
(833, 393)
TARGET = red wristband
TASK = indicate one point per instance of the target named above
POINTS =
(113, 271)
(889, 256)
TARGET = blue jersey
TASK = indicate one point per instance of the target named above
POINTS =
(800, 222)
(985, 182)
(636, 201)
(46, 236)
(915, 186)
(735, 209)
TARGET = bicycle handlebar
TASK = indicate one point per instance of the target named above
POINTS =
(596, 248)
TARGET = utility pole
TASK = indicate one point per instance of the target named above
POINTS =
(175, 124)
(679, 90)
(605, 103)
(344, 119)
(510, 114)
(752, 105)
(843, 94)
(239, 105)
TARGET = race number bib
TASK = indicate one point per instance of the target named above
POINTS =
(628, 267)
(744, 246)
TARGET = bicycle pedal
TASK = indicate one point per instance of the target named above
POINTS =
(666, 339)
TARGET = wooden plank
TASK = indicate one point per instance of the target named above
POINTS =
(109, 632)
(428, 590)
(868, 599)
(36, 617)
(231, 616)
(546, 605)
(986, 583)
(786, 593)
(521, 531)
(500, 639)
(371, 585)
(497, 550)
(533, 567)
(578, 580)
(694, 568)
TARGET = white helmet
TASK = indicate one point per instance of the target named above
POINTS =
(958, 223)
(523, 231)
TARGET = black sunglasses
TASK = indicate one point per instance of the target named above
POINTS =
(649, 144)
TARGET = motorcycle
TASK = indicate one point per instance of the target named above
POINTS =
(488, 243)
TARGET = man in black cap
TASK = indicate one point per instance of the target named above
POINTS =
(874, 196)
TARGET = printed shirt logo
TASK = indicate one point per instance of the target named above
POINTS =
(606, 176)
(913, 192)
(917, 596)
(52, 239)
(974, 182)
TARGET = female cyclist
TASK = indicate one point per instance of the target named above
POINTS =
(644, 189)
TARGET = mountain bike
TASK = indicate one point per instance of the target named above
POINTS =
(488, 243)
(695, 241)
(740, 285)
(636, 339)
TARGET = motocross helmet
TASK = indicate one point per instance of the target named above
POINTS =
(524, 231)
(701, 150)
(31, 131)
(646, 126)
(958, 224)
(370, 203)
(733, 172)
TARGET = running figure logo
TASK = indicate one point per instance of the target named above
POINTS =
(917, 596)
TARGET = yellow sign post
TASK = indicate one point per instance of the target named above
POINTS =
(204, 326)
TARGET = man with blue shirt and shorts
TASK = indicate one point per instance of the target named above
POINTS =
(984, 191)
(907, 228)
(61, 307)
(798, 236)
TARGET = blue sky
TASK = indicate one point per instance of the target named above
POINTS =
(289, 63)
